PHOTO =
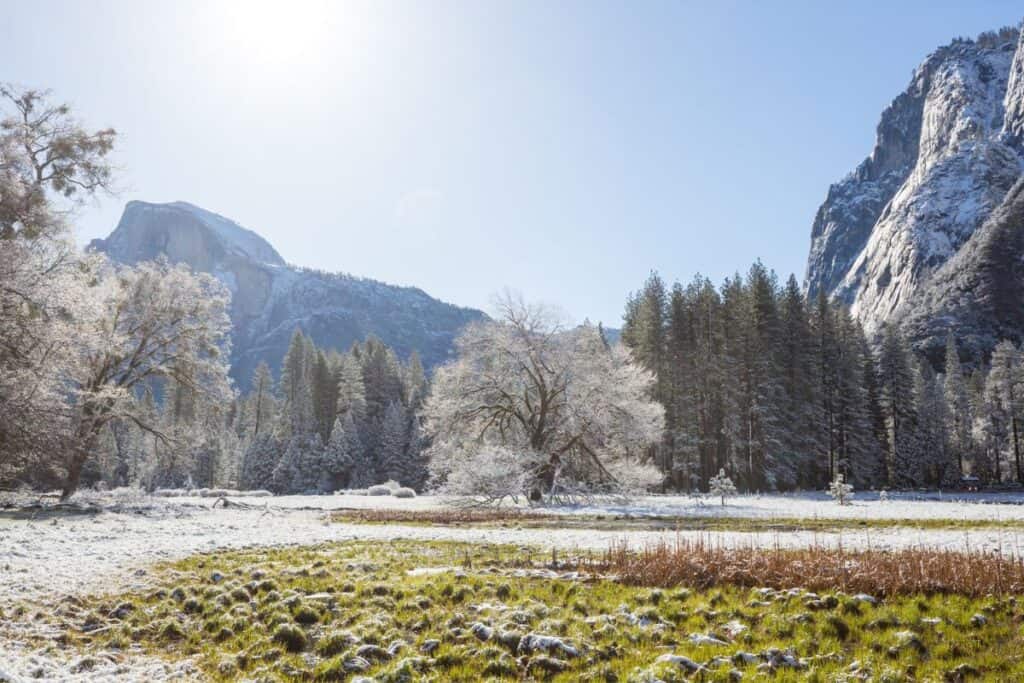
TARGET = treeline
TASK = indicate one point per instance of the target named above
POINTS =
(784, 394)
(335, 420)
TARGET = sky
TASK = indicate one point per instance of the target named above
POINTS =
(561, 149)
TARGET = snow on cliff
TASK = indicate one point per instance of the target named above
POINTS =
(948, 151)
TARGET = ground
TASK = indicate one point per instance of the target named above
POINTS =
(50, 559)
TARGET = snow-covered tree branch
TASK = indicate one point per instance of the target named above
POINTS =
(576, 413)
(152, 323)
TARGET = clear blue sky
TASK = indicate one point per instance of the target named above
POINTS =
(563, 149)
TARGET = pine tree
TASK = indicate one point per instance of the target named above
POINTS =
(418, 471)
(801, 408)
(351, 391)
(1006, 392)
(415, 382)
(296, 388)
(394, 443)
(721, 486)
(341, 454)
(299, 469)
(324, 396)
(937, 463)
(959, 409)
(260, 461)
(897, 392)
(682, 423)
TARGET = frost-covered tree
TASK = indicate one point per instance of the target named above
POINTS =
(260, 461)
(351, 391)
(415, 382)
(49, 163)
(840, 490)
(417, 462)
(578, 413)
(937, 463)
(958, 414)
(154, 322)
(394, 444)
(1006, 396)
(301, 465)
(260, 406)
(721, 486)
(342, 453)
(324, 395)
(296, 387)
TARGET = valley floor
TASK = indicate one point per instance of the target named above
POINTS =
(46, 559)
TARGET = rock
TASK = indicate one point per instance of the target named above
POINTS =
(704, 639)
(923, 232)
(534, 642)
(429, 647)
(270, 298)
(961, 673)
(684, 663)
(979, 620)
(481, 631)
(778, 659)
(909, 640)
(734, 629)
(864, 597)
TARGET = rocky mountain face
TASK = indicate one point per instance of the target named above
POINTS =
(926, 225)
(271, 298)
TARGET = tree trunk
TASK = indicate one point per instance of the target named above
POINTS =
(1016, 448)
(86, 435)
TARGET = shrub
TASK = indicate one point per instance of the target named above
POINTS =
(292, 637)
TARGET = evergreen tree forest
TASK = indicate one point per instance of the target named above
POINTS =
(783, 393)
(333, 420)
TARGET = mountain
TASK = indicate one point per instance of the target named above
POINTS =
(270, 298)
(915, 234)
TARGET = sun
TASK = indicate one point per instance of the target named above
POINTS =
(273, 34)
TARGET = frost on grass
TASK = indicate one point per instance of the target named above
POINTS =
(341, 611)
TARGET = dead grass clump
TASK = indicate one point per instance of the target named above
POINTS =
(464, 515)
(700, 564)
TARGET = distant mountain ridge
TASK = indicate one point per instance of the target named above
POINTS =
(902, 238)
(270, 298)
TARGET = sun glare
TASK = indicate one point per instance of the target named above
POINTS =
(276, 35)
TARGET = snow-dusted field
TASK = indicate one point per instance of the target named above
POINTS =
(905, 506)
(49, 558)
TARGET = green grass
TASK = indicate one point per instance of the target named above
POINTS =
(303, 614)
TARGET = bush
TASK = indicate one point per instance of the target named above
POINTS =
(404, 492)
(291, 637)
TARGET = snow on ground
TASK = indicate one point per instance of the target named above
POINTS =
(48, 558)
(908, 506)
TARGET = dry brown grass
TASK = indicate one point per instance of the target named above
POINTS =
(699, 564)
(449, 516)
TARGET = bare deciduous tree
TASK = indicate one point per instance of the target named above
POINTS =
(578, 412)
(154, 322)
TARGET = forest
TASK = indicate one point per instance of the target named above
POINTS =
(784, 393)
